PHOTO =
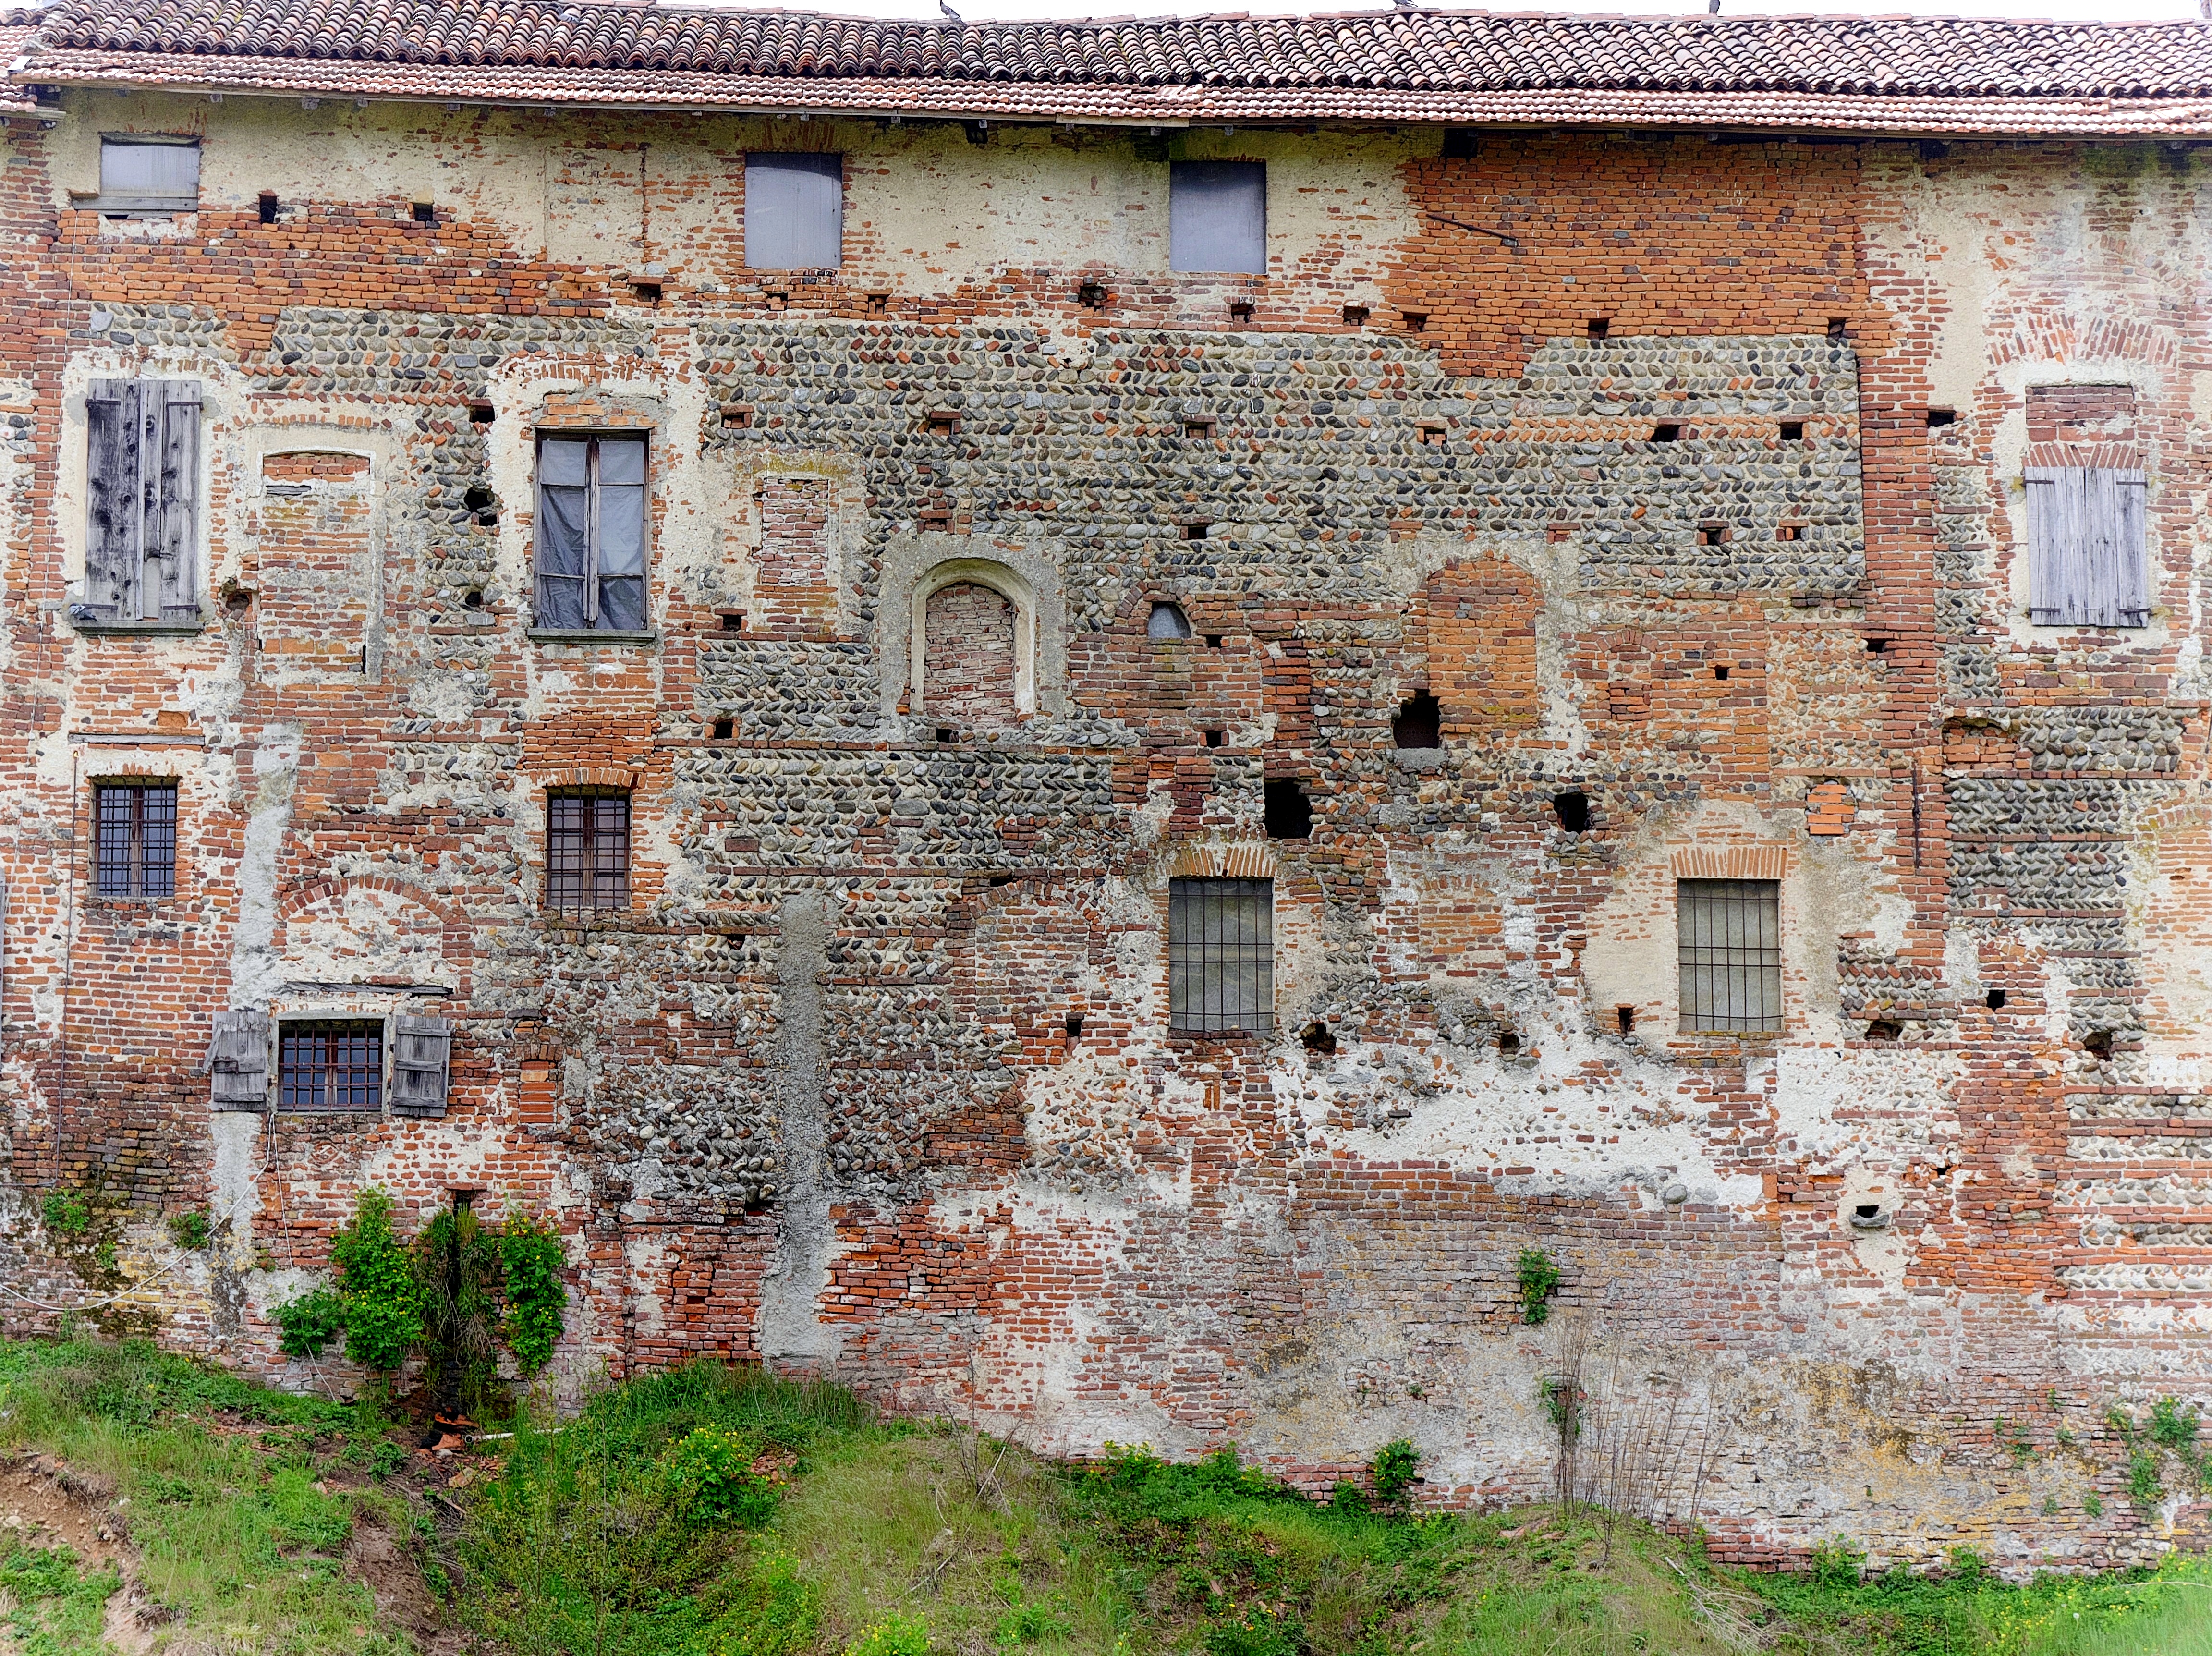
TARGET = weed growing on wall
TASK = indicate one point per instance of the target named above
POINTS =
(190, 1230)
(1540, 1280)
(1393, 1470)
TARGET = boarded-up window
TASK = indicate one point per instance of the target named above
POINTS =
(2085, 547)
(148, 177)
(421, 1050)
(795, 212)
(336, 1066)
(969, 656)
(142, 482)
(591, 532)
(137, 839)
(1217, 216)
(1221, 956)
(587, 851)
(1728, 938)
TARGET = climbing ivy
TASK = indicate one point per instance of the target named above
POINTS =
(1540, 1280)
(529, 1255)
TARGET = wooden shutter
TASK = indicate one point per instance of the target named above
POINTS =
(142, 477)
(237, 1058)
(422, 1051)
(2085, 535)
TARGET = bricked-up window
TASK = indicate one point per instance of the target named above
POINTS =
(795, 212)
(148, 177)
(1221, 956)
(1730, 936)
(142, 476)
(591, 532)
(587, 851)
(1217, 216)
(330, 1066)
(136, 838)
(2085, 547)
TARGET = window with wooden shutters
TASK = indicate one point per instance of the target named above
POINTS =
(590, 534)
(134, 839)
(422, 1051)
(587, 851)
(142, 482)
(238, 1062)
(336, 1066)
(2085, 547)
(794, 211)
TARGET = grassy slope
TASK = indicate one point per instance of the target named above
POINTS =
(714, 1512)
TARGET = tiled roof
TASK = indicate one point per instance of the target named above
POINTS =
(15, 35)
(1836, 73)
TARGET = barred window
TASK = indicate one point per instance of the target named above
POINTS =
(587, 851)
(1730, 946)
(591, 532)
(1221, 960)
(331, 1066)
(137, 839)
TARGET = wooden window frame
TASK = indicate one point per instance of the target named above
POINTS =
(592, 579)
(312, 1077)
(582, 876)
(122, 869)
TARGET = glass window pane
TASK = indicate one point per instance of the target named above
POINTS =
(1730, 941)
(564, 460)
(622, 459)
(622, 530)
(1220, 965)
(171, 170)
(621, 605)
(1217, 216)
(794, 211)
(157, 842)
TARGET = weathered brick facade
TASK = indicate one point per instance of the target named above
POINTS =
(873, 1074)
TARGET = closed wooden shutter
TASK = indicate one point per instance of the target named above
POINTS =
(238, 1059)
(141, 475)
(422, 1051)
(2085, 547)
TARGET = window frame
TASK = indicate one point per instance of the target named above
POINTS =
(119, 204)
(592, 579)
(586, 855)
(135, 868)
(370, 1078)
(1205, 1016)
(1191, 234)
(1694, 1013)
(771, 161)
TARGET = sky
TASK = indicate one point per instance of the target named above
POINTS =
(980, 10)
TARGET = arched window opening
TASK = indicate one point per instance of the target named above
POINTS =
(1420, 722)
(969, 656)
(1167, 621)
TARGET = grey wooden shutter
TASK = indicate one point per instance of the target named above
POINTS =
(142, 476)
(2085, 535)
(421, 1052)
(239, 1060)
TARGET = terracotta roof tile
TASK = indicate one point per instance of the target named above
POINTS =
(1815, 73)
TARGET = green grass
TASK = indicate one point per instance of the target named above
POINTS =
(712, 1511)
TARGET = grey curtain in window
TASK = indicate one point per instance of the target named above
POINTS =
(622, 534)
(1217, 216)
(591, 532)
(1221, 955)
(795, 212)
(564, 517)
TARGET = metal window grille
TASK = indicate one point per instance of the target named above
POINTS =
(591, 532)
(1730, 948)
(137, 839)
(587, 851)
(333, 1065)
(1221, 957)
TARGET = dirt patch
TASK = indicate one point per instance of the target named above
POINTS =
(46, 1502)
(381, 1561)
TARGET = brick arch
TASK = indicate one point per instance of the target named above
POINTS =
(588, 775)
(454, 928)
(986, 651)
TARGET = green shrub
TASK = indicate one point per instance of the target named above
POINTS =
(1540, 1280)
(377, 1284)
(1967, 1565)
(65, 1214)
(2175, 1428)
(1393, 1467)
(1256, 1630)
(710, 1476)
(769, 1609)
(310, 1323)
(895, 1636)
(1347, 1497)
(2091, 1505)
(190, 1230)
(529, 1256)
(2144, 1485)
(1837, 1564)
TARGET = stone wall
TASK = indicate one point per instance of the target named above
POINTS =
(873, 1077)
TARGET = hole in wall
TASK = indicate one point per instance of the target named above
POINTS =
(1572, 810)
(473, 598)
(943, 425)
(1461, 143)
(1599, 326)
(1074, 1026)
(1167, 621)
(1287, 812)
(424, 212)
(1416, 321)
(268, 206)
(1720, 673)
(740, 414)
(1418, 721)
(1668, 432)
(1318, 1039)
(1789, 532)
(646, 293)
(1994, 1000)
(944, 733)
(724, 729)
(1091, 295)
(880, 304)
(1195, 532)
(1626, 1017)
(1508, 1044)
(482, 414)
(1433, 434)
(1837, 329)
(2098, 1043)
(1711, 534)
(480, 500)
(1197, 429)
(731, 620)
(1876, 646)
(1001, 879)
(1793, 430)
(1940, 417)
(1213, 640)
(1240, 310)
(1355, 316)
(1215, 738)
(1884, 1029)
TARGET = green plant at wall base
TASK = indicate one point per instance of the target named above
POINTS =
(65, 1214)
(1557, 1402)
(1838, 1563)
(377, 1282)
(457, 1269)
(1967, 1565)
(530, 1256)
(1540, 1280)
(1393, 1467)
(191, 1231)
(2172, 1427)
(310, 1323)
(710, 1476)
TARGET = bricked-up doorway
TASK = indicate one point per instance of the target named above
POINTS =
(969, 661)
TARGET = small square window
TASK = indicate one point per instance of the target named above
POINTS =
(333, 1065)
(1729, 948)
(148, 176)
(1713, 534)
(1217, 216)
(1221, 959)
(587, 851)
(1792, 431)
(591, 532)
(795, 212)
(137, 839)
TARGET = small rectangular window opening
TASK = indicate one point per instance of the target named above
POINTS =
(1939, 417)
(1217, 216)
(1793, 430)
(1221, 960)
(1626, 1017)
(1416, 321)
(723, 729)
(880, 304)
(1432, 434)
(1667, 432)
(731, 620)
(334, 1066)
(1240, 310)
(1355, 316)
(794, 211)
(1213, 640)
(1599, 326)
(482, 414)
(587, 851)
(944, 424)
(1197, 427)
(1789, 532)
(425, 212)
(1713, 534)
(646, 293)
(1195, 530)
(1729, 947)
(1215, 738)
(592, 530)
(136, 853)
(268, 205)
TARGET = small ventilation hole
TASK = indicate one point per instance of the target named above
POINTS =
(1994, 1000)
(1793, 431)
(1509, 1044)
(2098, 1043)
(1868, 1210)
(1627, 1017)
(1883, 1029)
(472, 600)
(1318, 1039)
(1720, 673)
(1289, 813)
(424, 212)
(724, 728)
(1599, 326)
(1074, 1026)
(733, 620)
(1668, 432)
(1215, 738)
(1573, 809)
(268, 207)
(944, 733)
(1940, 417)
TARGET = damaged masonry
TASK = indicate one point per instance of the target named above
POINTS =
(1078, 718)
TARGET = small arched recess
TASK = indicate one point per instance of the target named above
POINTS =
(977, 665)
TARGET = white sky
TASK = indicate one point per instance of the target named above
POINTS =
(977, 10)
